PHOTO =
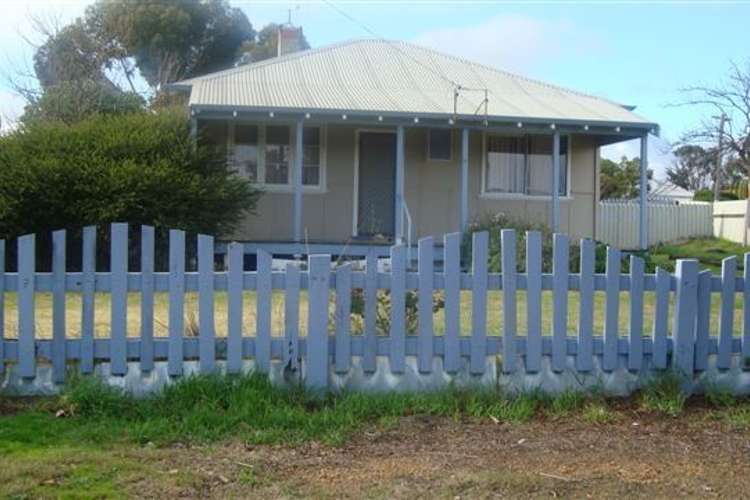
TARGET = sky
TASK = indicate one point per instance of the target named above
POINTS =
(634, 52)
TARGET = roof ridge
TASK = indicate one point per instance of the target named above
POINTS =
(270, 61)
(506, 72)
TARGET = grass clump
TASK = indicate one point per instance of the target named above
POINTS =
(720, 397)
(597, 412)
(664, 394)
(566, 403)
(208, 408)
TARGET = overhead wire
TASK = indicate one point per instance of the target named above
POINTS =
(457, 87)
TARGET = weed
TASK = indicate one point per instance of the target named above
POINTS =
(597, 412)
(664, 394)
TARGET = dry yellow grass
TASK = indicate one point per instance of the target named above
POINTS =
(161, 314)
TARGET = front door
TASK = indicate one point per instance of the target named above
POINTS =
(376, 186)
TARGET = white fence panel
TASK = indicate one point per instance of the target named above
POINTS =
(617, 223)
(730, 220)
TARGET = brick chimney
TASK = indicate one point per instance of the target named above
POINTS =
(290, 39)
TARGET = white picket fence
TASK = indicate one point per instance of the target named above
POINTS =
(617, 224)
(328, 347)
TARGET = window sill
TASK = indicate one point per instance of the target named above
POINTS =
(281, 189)
(520, 197)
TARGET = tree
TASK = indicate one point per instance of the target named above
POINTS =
(72, 101)
(692, 168)
(74, 77)
(265, 45)
(621, 180)
(732, 99)
(173, 39)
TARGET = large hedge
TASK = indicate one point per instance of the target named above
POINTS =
(141, 168)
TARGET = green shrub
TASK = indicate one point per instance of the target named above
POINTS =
(141, 168)
(494, 224)
(704, 195)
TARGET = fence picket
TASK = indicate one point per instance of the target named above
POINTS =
(147, 298)
(2, 306)
(508, 257)
(585, 353)
(176, 301)
(58, 307)
(661, 314)
(317, 332)
(703, 321)
(426, 330)
(560, 258)
(398, 309)
(369, 363)
(635, 352)
(235, 307)
(26, 297)
(88, 284)
(263, 303)
(533, 301)
(206, 325)
(478, 353)
(343, 352)
(746, 314)
(683, 331)
(726, 314)
(611, 318)
(119, 296)
(452, 277)
(291, 316)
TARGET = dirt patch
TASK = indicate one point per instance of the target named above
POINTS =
(637, 456)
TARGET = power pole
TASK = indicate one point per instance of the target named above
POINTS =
(717, 169)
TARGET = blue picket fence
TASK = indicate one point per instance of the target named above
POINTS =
(330, 345)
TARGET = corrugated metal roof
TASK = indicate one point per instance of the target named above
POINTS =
(395, 77)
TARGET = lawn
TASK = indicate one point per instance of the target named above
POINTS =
(494, 314)
(709, 251)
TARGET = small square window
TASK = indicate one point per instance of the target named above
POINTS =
(440, 144)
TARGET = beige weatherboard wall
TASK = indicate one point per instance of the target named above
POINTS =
(431, 192)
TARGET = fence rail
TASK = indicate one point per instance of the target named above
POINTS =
(330, 345)
(617, 223)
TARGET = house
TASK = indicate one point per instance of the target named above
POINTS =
(666, 192)
(372, 141)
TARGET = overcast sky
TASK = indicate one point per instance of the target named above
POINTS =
(628, 51)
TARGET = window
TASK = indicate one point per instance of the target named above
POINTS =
(213, 134)
(439, 144)
(264, 154)
(277, 155)
(523, 165)
(311, 156)
(245, 151)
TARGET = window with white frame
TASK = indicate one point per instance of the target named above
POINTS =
(244, 157)
(263, 154)
(311, 154)
(439, 144)
(523, 165)
(276, 153)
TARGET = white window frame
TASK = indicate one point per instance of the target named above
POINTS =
(523, 196)
(429, 146)
(288, 187)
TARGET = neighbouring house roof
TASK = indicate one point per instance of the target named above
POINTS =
(667, 190)
(378, 76)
